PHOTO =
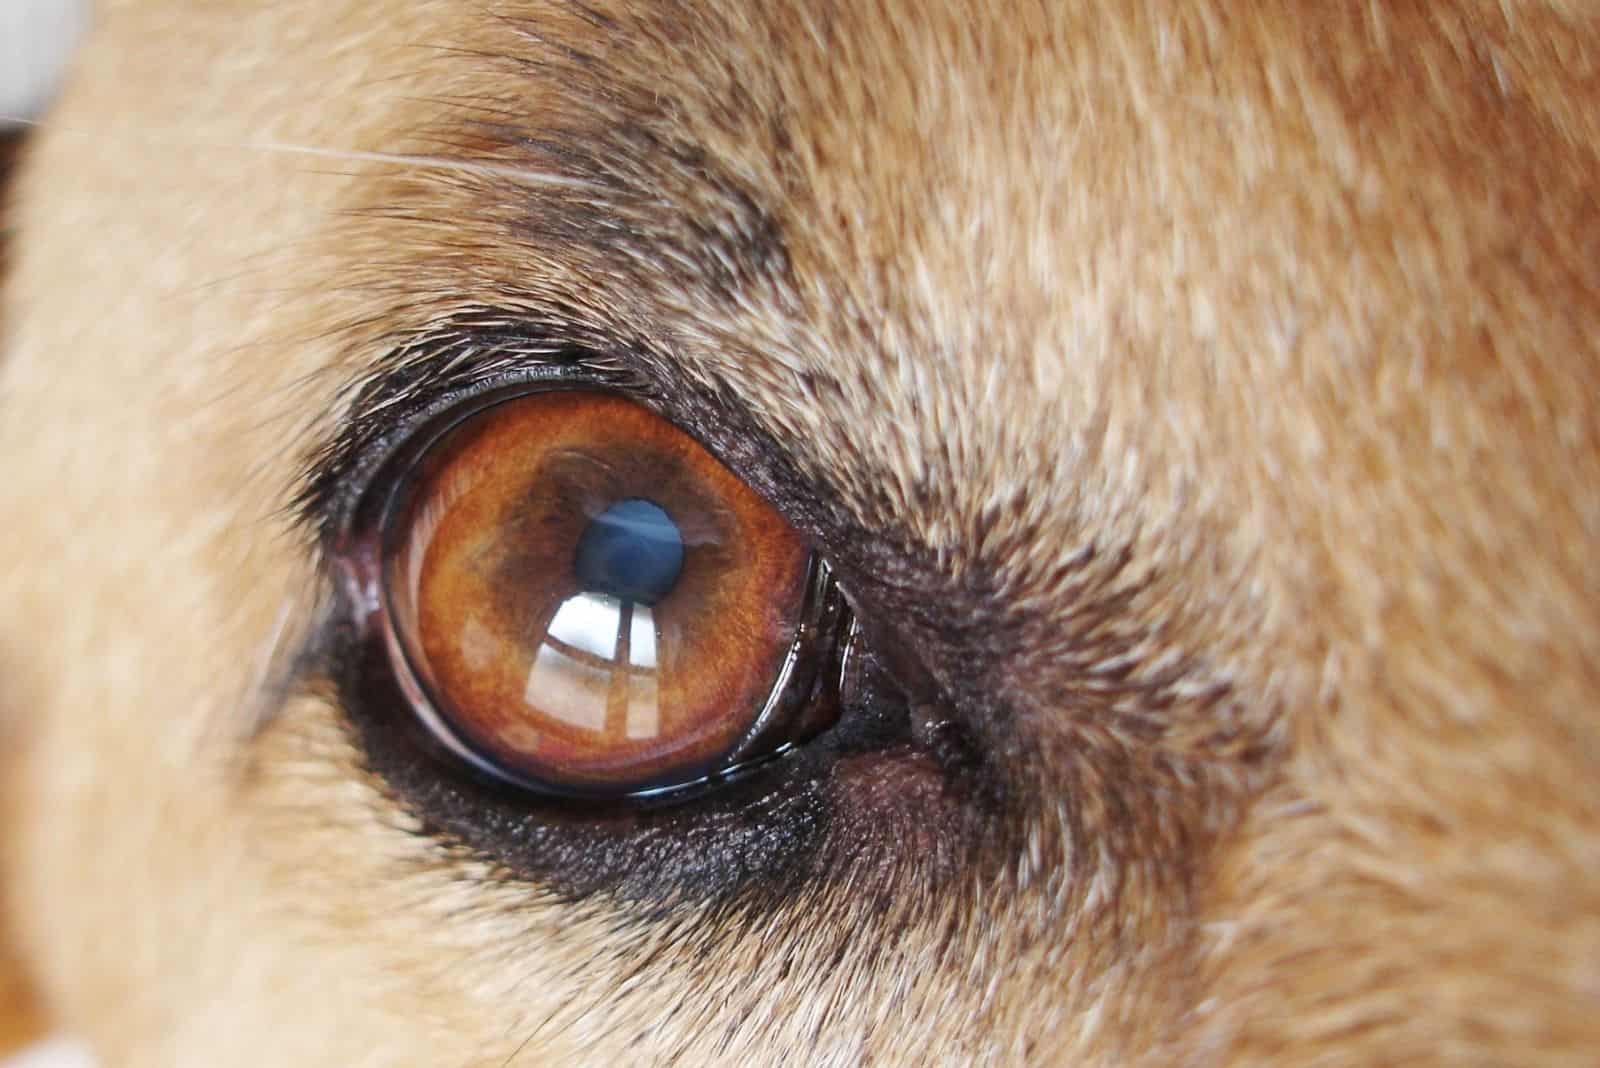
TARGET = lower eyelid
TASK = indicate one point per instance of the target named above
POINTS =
(761, 829)
(863, 796)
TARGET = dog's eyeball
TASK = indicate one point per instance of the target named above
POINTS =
(578, 599)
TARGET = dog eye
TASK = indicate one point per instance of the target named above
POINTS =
(578, 599)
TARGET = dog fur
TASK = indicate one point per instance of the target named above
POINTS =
(1199, 398)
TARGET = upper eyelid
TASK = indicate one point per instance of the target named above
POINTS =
(425, 374)
(417, 381)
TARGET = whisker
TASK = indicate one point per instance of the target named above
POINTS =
(437, 163)
(520, 1048)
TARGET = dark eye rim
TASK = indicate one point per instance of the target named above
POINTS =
(415, 428)
(797, 706)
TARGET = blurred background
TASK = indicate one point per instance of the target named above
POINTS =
(36, 42)
(36, 37)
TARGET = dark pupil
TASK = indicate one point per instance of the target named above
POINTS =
(632, 551)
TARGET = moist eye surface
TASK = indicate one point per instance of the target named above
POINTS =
(578, 599)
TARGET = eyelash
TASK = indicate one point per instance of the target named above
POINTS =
(387, 411)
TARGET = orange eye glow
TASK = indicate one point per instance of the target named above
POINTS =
(583, 600)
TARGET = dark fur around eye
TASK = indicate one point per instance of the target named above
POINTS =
(874, 793)
(757, 835)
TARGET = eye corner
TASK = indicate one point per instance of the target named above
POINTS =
(772, 789)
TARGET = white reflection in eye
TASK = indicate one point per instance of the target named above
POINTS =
(478, 645)
(644, 714)
(598, 662)
(642, 638)
(589, 623)
(566, 688)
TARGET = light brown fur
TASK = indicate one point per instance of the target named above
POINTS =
(1227, 373)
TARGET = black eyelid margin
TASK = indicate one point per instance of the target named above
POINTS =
(485, 349)
(418, 383)
(351, 545)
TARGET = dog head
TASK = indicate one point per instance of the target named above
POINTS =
(1192, 407)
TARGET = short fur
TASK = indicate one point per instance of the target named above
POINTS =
(1200, 399)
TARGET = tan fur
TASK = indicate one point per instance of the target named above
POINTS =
(1232, 366)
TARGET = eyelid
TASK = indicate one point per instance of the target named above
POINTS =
(392, 405)
(486, 350)
(356, 555)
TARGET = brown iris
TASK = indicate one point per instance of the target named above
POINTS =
(587, 600)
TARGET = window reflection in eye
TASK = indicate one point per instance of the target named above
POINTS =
(597, 666)
(580, 599)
